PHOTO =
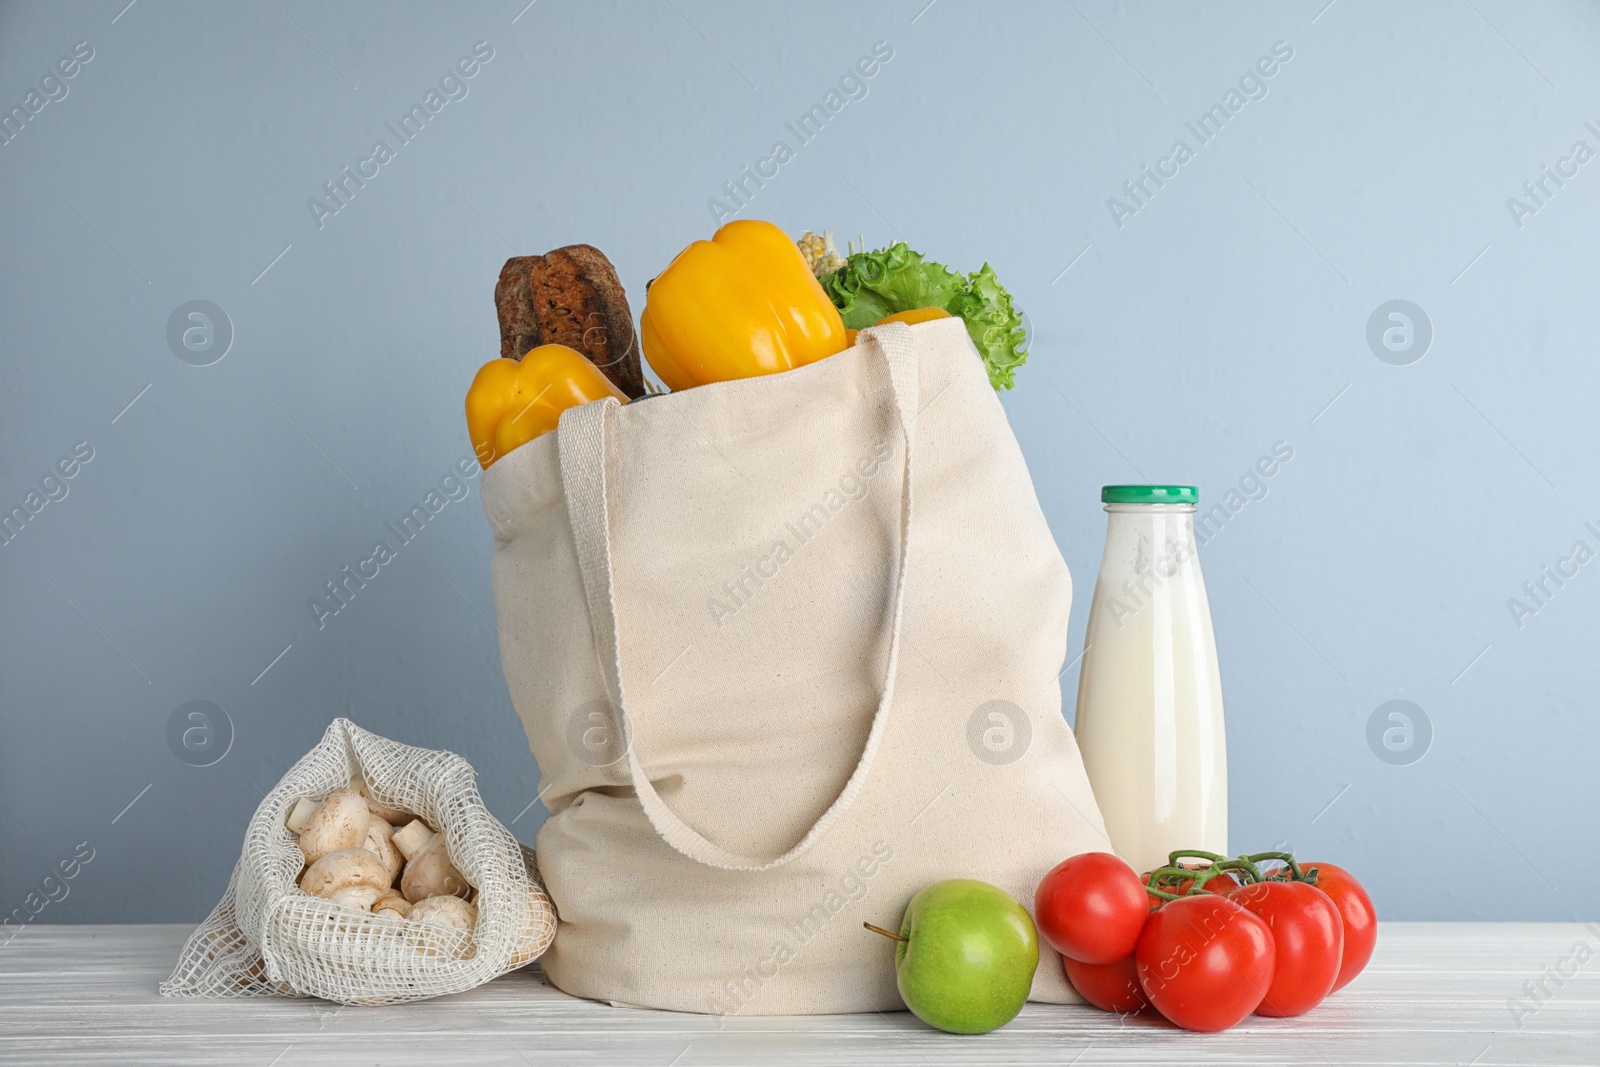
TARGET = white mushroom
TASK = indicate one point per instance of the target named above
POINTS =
(445, 911)
(393, 816)
(429, 872)
(339, 822)
(300, 815)
(343, 868)
(452, 913)
(412, 836)
(356, 896)
(393, 904)
(538, 927)
(380, 842)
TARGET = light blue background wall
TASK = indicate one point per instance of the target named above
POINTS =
(1226, 315)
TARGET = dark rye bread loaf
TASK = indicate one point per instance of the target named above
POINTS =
(570, 296)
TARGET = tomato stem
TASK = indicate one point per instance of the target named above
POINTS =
(1296, 872)
(1177, 880)
(1192, 854)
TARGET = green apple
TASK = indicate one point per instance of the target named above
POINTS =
(965, 956)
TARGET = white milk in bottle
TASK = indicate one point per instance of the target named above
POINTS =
(1149, 695)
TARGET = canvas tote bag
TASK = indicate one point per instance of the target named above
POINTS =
(787, 650)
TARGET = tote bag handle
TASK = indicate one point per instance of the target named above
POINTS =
(581, 443)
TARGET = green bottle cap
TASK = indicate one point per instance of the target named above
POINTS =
(1149, 494)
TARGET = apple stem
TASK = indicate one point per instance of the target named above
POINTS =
(885, 933)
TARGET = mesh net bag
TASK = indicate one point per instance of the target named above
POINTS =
(266, 937)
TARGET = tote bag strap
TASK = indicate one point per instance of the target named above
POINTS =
(581, 443)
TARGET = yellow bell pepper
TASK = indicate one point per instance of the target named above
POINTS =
(511, 402)
(739, 305)
(910, 318)
(916, 315)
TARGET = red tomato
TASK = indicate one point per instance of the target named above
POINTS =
(1360, 920)
(1204, 961)
(1108, 986)
(1091, 908)
(1308, 937)
(1154, 901)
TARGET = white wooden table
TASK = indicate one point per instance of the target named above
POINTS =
(1434, 994)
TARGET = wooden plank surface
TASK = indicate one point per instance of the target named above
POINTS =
(1434, 994)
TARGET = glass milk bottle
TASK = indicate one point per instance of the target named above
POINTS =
(1149, 695)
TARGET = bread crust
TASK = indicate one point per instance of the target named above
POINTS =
(570, 296)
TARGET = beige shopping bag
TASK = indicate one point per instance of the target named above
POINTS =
(787, 650)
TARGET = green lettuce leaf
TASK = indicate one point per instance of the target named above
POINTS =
(871, 285)
(994, 324)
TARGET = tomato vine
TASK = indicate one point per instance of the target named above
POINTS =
(1177, 880)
